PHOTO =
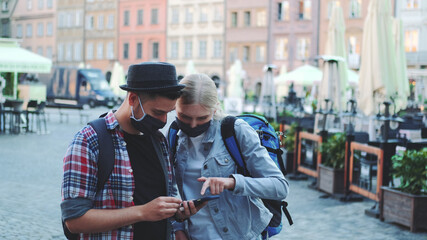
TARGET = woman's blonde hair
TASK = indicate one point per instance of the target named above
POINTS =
(201, 89)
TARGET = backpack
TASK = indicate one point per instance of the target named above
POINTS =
(106, 158)
(269, 140)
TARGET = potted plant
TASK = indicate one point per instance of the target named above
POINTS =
(289, 144)
(407, 204)
(331, 170)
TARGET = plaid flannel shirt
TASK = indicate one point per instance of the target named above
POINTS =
(80, 175)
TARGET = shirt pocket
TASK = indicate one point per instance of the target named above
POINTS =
(225, 165)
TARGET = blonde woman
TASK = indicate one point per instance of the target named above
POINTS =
(204, 167)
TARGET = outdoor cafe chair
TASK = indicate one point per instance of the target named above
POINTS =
(35, 114)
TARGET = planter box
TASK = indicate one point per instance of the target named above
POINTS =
(404, 208)
(331, 180)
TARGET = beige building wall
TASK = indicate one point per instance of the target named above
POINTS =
(70, 33)
(34, 22)
(247, 38)
(101, 34)
(195, 33)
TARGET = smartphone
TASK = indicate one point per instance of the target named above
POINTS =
(199, 201)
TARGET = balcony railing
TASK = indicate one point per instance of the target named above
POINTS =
(416, 58)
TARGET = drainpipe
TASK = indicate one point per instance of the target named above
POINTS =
(270, 23)
(318, 31)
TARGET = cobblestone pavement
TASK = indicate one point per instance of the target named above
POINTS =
(30, 178)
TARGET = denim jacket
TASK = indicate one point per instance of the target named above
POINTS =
(240, 213)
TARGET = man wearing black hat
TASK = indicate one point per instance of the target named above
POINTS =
(135, 202)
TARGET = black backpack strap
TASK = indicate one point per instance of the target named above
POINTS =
(106, 155)
(230, 141)
(287, 214)
(173, 138)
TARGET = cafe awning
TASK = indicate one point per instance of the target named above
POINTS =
(19, 60)
(16, 59)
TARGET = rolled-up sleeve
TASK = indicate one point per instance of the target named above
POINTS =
(79, 180)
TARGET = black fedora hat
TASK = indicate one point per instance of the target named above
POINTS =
(152, 77)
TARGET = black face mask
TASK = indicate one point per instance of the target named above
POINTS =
(147, 124)
(193, 132)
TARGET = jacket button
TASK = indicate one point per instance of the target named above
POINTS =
(205, 167)
(226, 160)
(225, 229)
(216, 210)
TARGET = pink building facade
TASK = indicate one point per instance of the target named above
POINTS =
(34, 22)
(142, 31)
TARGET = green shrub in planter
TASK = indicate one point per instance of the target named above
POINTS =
(333, 151)
(289, 140)
(411, 168)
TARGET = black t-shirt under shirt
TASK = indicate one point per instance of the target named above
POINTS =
(149, 182)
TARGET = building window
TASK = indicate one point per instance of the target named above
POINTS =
(353, 52)
(281, 52)
(89, 51)
(40, 29)
(49, 29)
(60, 51)
(40, 6)
(100, 51)
(126, 51)
(5, 6)
(189, 14)
(283, 11)
(233, 54)
(49, 53)
(218, 12)
(261, 18)
(246, 53)
(355, 8)
(139, 50)
(29, 4)
(154, 16)
(412, 4)
(40, 51)
(234, 19)
(110, 23)
(101, 22)
(411, 40)
(110, 50)
(174, 49)
(79, 18)
(77, 51)
(89, 22)
(29, 32)
(217, 49)
(155, 50)
(70, 19)
(69, 52)
(175, 16)
(49, 4)
(202, 49)
(19, 31)
(140, 17)
(126, 16)
(303, 48)
(247, 19)
(203, 14)
(188, 49)
(304, 11)
(260, 53)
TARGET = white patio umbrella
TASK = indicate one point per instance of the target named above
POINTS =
(190, 68)
(335, 70)
(305, 75)
(117, 79)
(236, 74)
(378, 73)
(282, 86)
(402, 75)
